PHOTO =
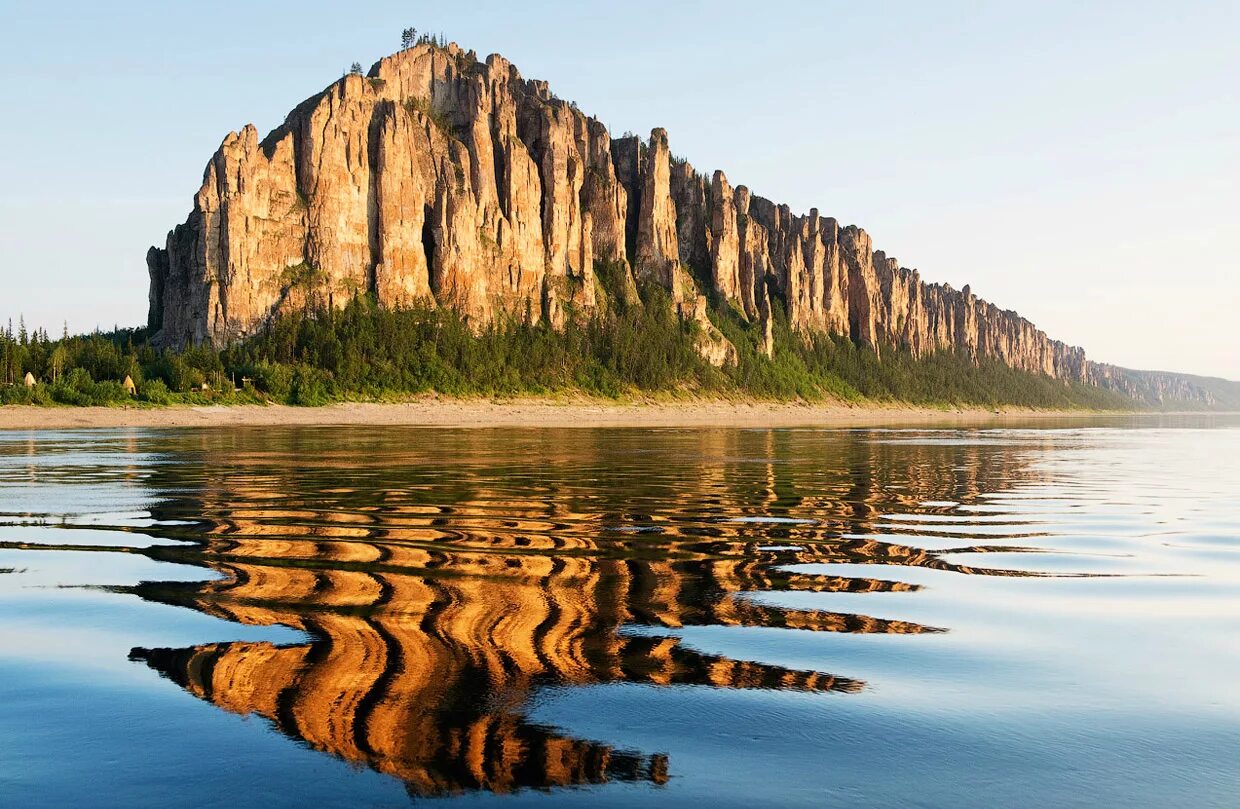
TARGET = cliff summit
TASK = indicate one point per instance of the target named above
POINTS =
(444, 180)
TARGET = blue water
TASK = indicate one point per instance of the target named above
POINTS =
(390, 616)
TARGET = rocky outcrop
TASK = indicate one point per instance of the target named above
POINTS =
(444, 180)
(725, 242)
(658, 248)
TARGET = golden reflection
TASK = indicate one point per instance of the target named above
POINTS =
(442, 583)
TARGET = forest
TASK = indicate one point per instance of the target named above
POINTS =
(364, 352)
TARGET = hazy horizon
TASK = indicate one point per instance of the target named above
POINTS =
(1080, 166)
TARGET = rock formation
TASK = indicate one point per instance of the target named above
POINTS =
(441, 179)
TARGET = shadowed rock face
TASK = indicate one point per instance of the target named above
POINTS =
(442, 179)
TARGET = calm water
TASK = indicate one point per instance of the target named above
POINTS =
(1041, 617)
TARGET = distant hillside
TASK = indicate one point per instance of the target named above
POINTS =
(1165, 390)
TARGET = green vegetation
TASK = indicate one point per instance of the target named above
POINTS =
(424, 106)
(409, 37)
(818, 366)
(91, 369)
(366, 352)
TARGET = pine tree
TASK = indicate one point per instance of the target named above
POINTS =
(58, 362)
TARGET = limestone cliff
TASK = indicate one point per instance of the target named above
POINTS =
(446, 180)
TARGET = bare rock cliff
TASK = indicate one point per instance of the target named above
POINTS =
(441, 179)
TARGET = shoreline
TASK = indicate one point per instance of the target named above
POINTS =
(532, 412)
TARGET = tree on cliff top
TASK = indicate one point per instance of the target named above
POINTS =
(407, 38)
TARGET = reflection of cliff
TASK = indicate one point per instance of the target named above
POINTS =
(422, 672)
(391, 719)
(442, 589)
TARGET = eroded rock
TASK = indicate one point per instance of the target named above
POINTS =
(443, 180)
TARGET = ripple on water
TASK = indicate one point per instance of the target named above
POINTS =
(479, 613)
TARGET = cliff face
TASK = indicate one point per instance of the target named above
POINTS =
(442, 179)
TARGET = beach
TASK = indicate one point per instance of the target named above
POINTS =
(524, 412)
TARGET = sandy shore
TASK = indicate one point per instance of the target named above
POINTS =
(434, 412)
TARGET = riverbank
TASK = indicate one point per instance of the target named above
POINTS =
(532, 412)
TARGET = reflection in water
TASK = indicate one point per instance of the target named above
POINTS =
(445, 582)
(442, 583)
(718, 617)
(423, 660)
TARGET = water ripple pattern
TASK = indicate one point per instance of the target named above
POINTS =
(630, 616)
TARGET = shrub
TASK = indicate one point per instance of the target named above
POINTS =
(155, 391)
(309, 387)
(274, 380)
(16, 394)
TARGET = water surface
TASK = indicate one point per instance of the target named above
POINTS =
(382, 617)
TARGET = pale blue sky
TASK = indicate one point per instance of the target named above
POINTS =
(1078, 162)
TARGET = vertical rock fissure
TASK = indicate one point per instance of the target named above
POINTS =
(428, 249)
(498, 147)
(373, 214)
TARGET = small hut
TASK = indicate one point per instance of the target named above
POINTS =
(30, 381)
(130, 387)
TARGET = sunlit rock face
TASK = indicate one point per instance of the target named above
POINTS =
(446, 180)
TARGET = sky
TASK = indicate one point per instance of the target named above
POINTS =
(1077, 162)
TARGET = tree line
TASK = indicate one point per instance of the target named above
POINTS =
(367, 352)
